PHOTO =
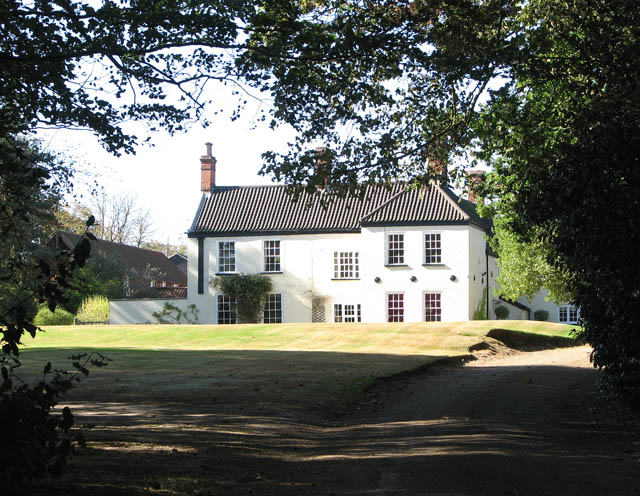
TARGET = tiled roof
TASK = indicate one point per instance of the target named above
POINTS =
(168, 293)
(246, 210)
(129, 256)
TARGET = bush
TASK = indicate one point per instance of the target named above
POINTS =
(502, 312)
(46, 317)
(94, 309)
(249, 292)
(541, 315)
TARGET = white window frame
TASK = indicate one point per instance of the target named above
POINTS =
(346, 262)
(232, 311)
(568, 309)
(235, 256)
(424, 247)
(354, 316)
(264, 256)
(264, 313)
(387, 253)
(424, 306)
(403, 308)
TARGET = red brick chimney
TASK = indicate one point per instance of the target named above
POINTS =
(207, 171)
(474, 177)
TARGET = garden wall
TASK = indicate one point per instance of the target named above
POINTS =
(139, 311)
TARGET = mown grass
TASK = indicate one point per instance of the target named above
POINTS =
(210, 404)
(413, 339)
(286, 368)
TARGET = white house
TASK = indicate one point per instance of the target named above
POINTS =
(397, 255)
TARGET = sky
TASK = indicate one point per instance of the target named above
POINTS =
(166, 177)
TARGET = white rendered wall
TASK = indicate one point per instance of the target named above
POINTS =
(478, 271)
(308, 272)
(139, 311)
(540, 302)
(455, 256)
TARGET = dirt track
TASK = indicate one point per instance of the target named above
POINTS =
(521, 424)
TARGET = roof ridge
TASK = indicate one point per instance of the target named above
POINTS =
(238, 186)
(384, 204)
(448, 196)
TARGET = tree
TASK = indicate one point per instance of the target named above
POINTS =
(545, 91)
(35, 443)
(121, 220)
(525, 268)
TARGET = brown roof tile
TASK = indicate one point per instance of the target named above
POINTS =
(129, 256)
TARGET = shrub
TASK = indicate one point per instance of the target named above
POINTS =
(480, 312)
(172, 314)
(46, 317)
(502, 312)
(94, 309)
(249, 291)
(541, 315)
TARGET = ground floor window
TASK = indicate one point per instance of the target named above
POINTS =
(273, 309)
(432, 307)
(568, 314)
(344, 312)
(226, 306)
(395, 307)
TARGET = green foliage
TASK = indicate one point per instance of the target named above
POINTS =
(46, 317)
(544, 91)
(480, 313)
(250, 292)
(100, 276)
(541, 315)
(502, 312)
(525, 268)
(94, 309)
(35, 441)
(171, 314)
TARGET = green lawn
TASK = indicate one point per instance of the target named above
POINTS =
(265, 368)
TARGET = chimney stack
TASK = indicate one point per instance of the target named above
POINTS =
(207, 171)
(474, 177)
(323, 164)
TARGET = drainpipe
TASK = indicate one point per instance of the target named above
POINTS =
(486, 255)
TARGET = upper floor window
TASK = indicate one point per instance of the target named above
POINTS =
(347, 312)
(568, 314)
(432, 248)
(271, 254)
(432, 307)
(226, 256)
(395, 307)
(226, 309)
(395, 249)
(346, 265)
(273, 309)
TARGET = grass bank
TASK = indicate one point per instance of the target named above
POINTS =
(263, 368)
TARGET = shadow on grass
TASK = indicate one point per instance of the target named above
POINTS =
(233, 381)
(465, 431)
